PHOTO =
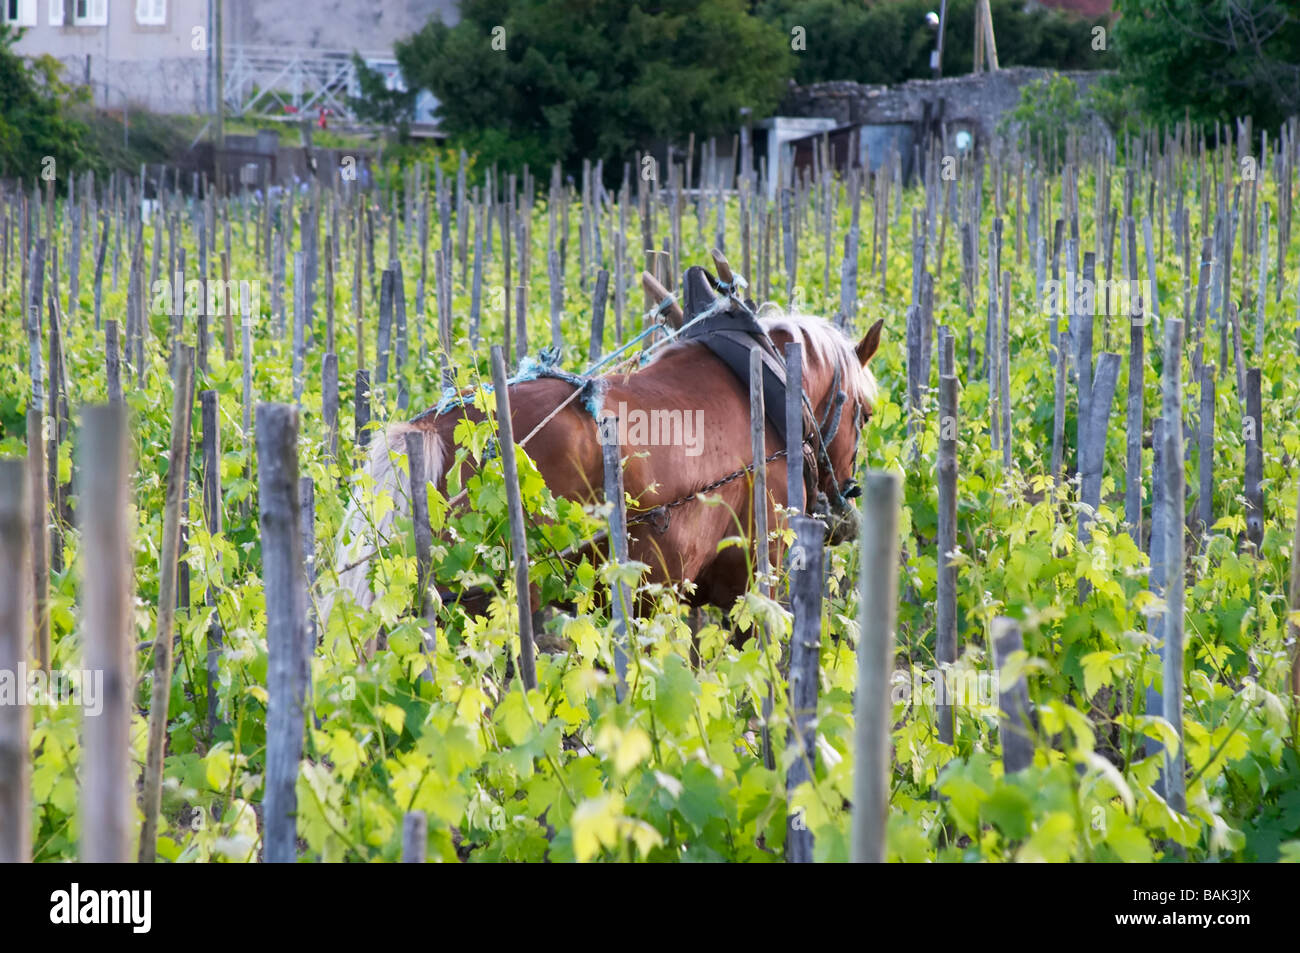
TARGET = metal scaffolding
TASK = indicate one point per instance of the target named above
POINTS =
(274, 81)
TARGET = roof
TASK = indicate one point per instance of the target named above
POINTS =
(1084, 8)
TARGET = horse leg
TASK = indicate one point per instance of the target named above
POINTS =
(696, 623)
(723, 581)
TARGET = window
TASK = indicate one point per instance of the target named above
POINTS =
(18, 12)
(92, 12)
(84, 12)
(151, 12)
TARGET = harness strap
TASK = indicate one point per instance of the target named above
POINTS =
(775, 386)
(733, 347)
(830, 424)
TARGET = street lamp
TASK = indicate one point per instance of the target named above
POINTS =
(937, 22)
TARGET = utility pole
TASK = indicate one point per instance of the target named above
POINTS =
(207, 49)
(984, 37)
(220, 41)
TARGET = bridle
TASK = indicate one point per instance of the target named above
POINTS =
(825, 431)
(829, 496)
(829, 499)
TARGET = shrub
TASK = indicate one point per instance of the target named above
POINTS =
(34, 122)
(1211, 60)
(541, 81)
(1047, 110)
(889, 42)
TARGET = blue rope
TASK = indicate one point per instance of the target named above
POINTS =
(531, 369)
(738, 282)
(673, 335)
(613, 354)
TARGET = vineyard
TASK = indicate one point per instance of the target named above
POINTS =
(1062, 634)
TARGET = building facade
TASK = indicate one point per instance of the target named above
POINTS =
(158, 54)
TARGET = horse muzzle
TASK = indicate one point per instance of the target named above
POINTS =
(843, 525)
(840, 517)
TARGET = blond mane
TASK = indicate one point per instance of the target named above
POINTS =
(823, 343)
(826, 344)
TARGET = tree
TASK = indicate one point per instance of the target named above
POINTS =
(379, 102)
(843, 40)
(888, 41)
(33, 121)
(536, 81)
(1212, 59)
(1048, 109)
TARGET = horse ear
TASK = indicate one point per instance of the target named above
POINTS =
(870, 341)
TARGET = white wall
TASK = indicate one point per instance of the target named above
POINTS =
(159, 68)
(331, 24)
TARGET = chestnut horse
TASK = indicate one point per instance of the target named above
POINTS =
(684, 382)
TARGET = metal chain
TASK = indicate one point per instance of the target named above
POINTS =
(648, 514)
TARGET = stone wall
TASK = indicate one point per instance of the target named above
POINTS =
(975, 100)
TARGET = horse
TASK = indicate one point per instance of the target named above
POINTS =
(688, 493)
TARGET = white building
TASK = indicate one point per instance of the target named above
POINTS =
(156, 54)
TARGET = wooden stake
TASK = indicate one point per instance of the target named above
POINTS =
(805, 667)
(518, 539)
(621, 610)
(286, 624)
(108, 785)
(878, 601)
(168, 556)
(15, 719)
(1014, 720)
(40, 536)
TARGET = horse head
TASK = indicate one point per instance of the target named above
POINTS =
(837, 383)
(842, 390)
